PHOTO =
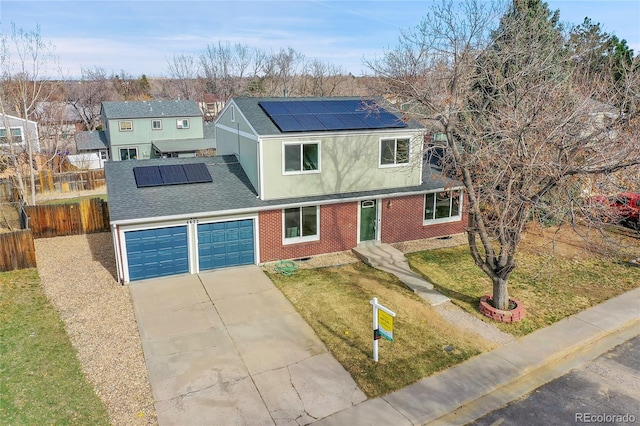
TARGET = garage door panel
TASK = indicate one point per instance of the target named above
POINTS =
(157, 252)
(224, 244)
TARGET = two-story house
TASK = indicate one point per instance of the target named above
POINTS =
(295, 178)
(136, 130)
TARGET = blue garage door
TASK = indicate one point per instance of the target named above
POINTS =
(157, 252)
(225, 244)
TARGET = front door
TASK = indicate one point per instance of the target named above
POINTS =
(368, 220)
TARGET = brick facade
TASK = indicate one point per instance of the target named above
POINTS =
(402, 220)
(338, 232)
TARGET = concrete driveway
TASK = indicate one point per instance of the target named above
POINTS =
(226, 347)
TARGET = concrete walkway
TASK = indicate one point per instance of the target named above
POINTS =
(484, 383)
(226, 347)
(391, 260)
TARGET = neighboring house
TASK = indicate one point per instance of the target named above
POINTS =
(211, 104)
(294, 178)
(21, 133)
(137, 130)
(58, 123)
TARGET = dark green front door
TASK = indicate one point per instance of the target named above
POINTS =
(368, 216)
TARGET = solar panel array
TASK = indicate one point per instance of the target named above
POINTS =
(339, 114)
(171, 174)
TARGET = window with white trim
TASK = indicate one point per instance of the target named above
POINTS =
(182, 123)
(156, 124)
(394, 152)
(125, 126)
(301, 224)
(128, 154)
(443, 206)
(16, 135)
(301, 157)
(233, 114)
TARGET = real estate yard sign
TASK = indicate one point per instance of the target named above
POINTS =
(382, 325)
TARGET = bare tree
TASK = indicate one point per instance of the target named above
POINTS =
(24, 85)
(183, 71)
(521, 132)
(322, 78)
(224, 67)
(87, 95)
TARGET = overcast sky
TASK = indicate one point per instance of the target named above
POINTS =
(140, 36)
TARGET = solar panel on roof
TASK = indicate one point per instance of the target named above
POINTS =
(287, 123)
(338, 114)
(173, 174)
(197, 173)
(147, 176)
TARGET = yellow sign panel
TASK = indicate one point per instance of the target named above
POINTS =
(385, 324)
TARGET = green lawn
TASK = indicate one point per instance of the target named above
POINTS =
(335, 302)
(40, 377)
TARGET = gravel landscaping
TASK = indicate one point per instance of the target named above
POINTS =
(78, 276)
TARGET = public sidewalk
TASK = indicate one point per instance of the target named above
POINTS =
(484, 383)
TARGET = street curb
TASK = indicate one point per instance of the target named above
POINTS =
(523, 357)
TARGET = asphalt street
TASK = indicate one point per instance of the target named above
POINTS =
(604, 391)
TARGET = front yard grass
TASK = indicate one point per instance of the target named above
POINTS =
(551, 287)
(41, 381)
(335, 302)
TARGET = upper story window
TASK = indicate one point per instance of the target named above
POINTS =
(182, 123)
(156, 124)
(16, 135)
(125, 126)
(443, 206)
(301, 157)
(301, 224)
(233, 114)
(394, 152)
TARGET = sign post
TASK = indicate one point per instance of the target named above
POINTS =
(382, 325)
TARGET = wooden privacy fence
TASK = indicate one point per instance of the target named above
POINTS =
(18, 250)
(84, 217)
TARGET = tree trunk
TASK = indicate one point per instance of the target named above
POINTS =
(500, 293)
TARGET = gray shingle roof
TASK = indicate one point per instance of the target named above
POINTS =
(263, 125)
(230, 190)
(151, 109)
(91, 140)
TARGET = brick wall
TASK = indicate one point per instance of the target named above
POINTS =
(402, 219)
(338, 232)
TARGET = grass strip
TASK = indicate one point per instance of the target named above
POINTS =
(41, 380)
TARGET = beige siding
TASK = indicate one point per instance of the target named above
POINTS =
(348, 163)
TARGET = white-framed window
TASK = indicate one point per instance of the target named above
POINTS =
(125, 126)
(182, 123)
(442, 206)
(156, 124)
(129, 153)
(302, 157)
(394, 151)
(16, 135)
(300, 224)
(233, 114)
